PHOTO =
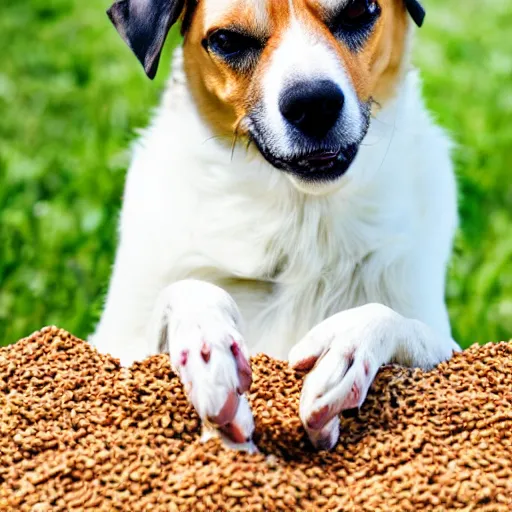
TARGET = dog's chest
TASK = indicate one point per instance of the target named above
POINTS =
(250, 236)
(293, 262)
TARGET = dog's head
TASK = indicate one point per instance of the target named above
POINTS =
(296, 77)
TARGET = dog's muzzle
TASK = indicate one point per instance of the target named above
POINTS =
(319, 147)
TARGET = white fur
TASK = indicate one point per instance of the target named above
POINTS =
(290, 258)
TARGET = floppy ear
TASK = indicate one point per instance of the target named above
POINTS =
(416, 11)
(144, 24)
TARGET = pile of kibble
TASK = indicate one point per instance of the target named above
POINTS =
(78, 432)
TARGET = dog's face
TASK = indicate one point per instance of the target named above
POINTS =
(296, 77)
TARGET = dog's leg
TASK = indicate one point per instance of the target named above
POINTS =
(344, 354)
(135, 284)
(199, 324)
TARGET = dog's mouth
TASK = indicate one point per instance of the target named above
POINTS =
(323, 164)
(320, 164)
(309, 160)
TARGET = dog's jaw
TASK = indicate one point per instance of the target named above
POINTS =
(305, 177)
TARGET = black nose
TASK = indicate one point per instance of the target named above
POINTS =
(313, 107)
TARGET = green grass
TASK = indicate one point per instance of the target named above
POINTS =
(71, 96)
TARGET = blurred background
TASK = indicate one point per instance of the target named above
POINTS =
(72, 96)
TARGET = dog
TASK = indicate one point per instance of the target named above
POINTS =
(291, 196)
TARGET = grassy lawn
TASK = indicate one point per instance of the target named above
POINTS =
(71, 96)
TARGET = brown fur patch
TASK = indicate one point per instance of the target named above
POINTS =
(386, 50)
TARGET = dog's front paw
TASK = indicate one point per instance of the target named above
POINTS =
(342, 355)
(212, 362)
(208, 351)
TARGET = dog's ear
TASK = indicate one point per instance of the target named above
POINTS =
(144, 25)
(416, 11)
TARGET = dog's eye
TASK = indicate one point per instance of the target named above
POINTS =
(359, 12)
(355, 21)
(229, 44)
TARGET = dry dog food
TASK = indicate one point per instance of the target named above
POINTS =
(77, 432)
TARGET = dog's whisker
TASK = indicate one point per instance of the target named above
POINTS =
(366, 145)
(213, 137)
(391, 137)
(233, 147)
(373, 101)
(235, 136)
